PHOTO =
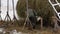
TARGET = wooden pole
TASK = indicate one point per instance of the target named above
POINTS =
(27, 18)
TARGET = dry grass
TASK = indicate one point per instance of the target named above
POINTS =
(34, 31)
(26, 31)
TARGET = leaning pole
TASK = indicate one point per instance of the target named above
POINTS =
(27, 18)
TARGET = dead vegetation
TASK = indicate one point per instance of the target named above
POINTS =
(34, 31)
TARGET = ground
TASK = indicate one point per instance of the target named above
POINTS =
(35, 31)
(45, 30)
